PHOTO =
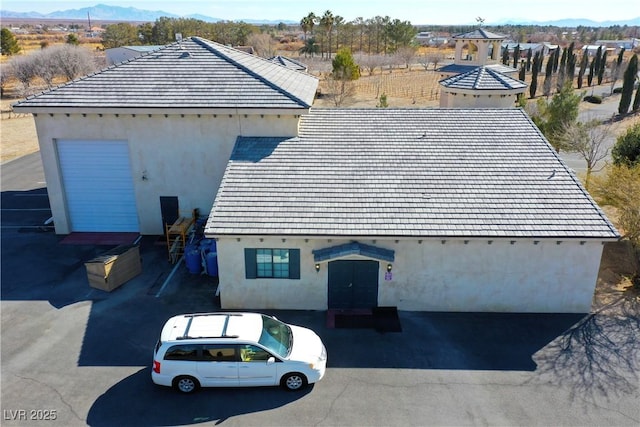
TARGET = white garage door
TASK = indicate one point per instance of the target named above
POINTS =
(98, 185)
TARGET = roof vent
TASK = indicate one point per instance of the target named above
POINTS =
(185, 55)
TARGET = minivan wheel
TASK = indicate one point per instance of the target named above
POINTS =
(186, 384)
(294, 381)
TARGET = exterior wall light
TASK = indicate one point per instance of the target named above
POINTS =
(389, 268)
(317, 267)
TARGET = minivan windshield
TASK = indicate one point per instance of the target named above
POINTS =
(276, 336)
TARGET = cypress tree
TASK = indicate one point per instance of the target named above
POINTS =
(505, 55)
(636, 101)
(562, 70)
(534, 75)
(556, 59)
(592, 67)
(603, 67)
(516, 56)
(583, 68)
(529, 55)
(546, 84)
(597, 61)
(571, 66)
(629, 80)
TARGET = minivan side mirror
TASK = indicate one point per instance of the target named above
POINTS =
(271, 360)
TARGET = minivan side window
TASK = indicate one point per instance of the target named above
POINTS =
(219, 352)
(252, 353)
(182, 352)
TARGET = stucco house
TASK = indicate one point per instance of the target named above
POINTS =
(423, 209)
(162, 124)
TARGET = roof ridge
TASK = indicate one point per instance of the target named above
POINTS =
(207, 45)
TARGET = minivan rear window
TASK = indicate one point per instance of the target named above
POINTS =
(182, 352)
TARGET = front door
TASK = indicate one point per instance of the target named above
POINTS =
(353, 284)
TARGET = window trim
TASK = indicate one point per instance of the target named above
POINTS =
(251, 263)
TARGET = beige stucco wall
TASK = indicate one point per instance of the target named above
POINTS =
(523, 276)
(482, 100)
(179, 156)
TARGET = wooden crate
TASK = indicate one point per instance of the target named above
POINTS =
(113, 268)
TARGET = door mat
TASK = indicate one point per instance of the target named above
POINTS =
(382, 319)
(386, 319)
(354, 321)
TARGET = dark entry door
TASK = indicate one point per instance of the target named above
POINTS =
(353, 284)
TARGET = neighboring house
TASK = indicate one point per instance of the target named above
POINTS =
(524, 48)
(617, 45)
(125, 53)
(423, 209)
(160, 125)
(423, 38)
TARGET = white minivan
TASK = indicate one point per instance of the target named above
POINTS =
(236, 350)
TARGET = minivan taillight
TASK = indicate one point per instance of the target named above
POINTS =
(156, 366)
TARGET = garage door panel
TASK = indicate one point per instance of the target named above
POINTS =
(98, 185)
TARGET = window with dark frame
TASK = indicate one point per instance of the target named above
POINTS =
(272, 263)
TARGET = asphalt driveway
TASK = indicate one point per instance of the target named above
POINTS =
(82, 356)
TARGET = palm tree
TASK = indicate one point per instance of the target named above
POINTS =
(326, 22)
(310, 47)
(338, 22)
(307, 23)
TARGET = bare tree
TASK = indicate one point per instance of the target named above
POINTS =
(5, 75)
(406, 55)
(369, 63)
(71, 61)
(427, 59)
(43, 66)
(340, 89)
(263, 43)
(589, 141)
(23, 69)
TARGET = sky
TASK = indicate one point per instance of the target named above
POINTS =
(444, 12)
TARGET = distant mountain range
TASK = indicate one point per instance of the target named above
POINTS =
(573, 23)
(125, 14)
(103, 12)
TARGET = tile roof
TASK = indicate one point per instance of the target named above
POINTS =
(483, 78)
(195, 73)
(405, 173)
(288, 62)
(480, 34)
(461, 69)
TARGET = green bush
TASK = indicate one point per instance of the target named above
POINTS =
(618, 90)
(594, 99)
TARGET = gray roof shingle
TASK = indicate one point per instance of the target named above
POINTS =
(462, 69)
(483, 78)
(480, 33)
(195, 73)
(405, 173)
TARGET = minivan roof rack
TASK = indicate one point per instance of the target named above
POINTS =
(187, 337)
